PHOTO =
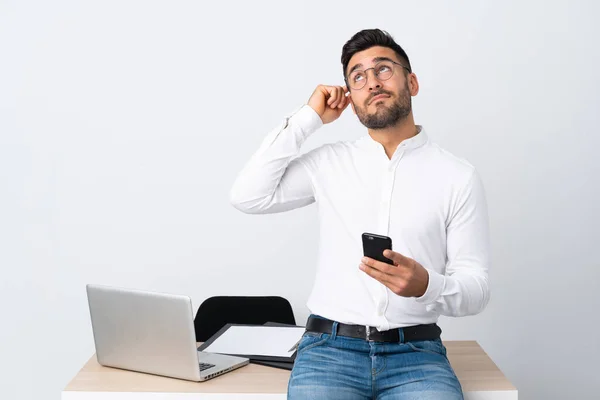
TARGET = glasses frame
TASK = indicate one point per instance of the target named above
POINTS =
(346, 78)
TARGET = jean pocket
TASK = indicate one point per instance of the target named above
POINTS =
(434, 346)
(310, 340)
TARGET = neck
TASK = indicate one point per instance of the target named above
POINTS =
(391, 137)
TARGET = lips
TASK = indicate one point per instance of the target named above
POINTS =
(379, 96)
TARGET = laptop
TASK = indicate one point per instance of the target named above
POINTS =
(151, 333)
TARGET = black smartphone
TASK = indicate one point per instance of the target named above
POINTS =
(374, 245)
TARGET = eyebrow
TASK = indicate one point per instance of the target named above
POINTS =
(374, 60)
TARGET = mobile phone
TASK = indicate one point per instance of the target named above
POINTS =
(374, 245)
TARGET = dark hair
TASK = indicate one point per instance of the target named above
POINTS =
(368, 38)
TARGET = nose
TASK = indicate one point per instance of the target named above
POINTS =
(373, 82)
(374, 85)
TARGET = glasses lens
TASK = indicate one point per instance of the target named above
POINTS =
(358, 79)
(384, 71)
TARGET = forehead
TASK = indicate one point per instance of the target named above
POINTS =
(366, 57)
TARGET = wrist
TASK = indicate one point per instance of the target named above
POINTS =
(423, 281)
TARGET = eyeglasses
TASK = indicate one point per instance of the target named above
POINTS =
(383, 71)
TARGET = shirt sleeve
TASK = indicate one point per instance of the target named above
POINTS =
(275, 179)
(464, 289)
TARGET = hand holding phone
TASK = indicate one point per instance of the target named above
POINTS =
(374, 245)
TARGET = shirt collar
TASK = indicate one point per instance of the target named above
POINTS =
(411, 143)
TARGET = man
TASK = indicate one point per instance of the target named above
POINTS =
(372, 333)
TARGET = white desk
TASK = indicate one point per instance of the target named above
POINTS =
(479, 376)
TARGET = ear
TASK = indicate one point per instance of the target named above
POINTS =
(352, 104)
(413, 84)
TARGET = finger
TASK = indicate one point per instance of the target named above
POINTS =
(342, 101)
(375, 274)
(398, 258)
(380, 266)
(332, 96)
(337, 99)
(394, 283)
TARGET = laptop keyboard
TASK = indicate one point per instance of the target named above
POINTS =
(205, 366)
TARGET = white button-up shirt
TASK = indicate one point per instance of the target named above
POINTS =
(430, 202)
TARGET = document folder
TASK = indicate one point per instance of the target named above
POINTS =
(272, 342)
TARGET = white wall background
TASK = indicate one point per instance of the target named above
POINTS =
(124, 123)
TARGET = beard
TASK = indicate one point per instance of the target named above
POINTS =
(387, 116)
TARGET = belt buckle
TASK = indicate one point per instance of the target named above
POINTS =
(368, 331)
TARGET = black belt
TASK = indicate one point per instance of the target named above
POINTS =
(410, 333)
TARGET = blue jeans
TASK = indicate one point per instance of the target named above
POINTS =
(335, 367)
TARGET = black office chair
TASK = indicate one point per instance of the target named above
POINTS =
(215, 312)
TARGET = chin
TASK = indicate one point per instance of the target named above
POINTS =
(378, 103)
(381, 109)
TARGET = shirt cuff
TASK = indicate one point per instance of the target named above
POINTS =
(307, 119)
(435, 287)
